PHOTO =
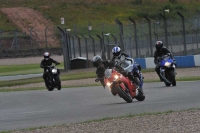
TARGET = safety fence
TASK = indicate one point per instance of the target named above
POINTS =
(180, 36)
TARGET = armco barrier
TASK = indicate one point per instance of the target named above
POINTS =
(182, 61)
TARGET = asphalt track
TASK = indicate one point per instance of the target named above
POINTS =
(26, 109)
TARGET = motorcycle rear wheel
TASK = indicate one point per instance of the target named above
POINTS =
(123, 94)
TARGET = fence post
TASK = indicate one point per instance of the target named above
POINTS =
(135, 33)
(165, 26)
(65, 50)
(86, 49)
(67, 31)
(196, 37)
(102, 47)
(114, 38)
(121, 34)
(79, 44)
(74, 51)
(184, 38)
(94, 50)
(150, 37)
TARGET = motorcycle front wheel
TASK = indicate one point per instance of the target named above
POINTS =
(124, 94)
(49, 85)
(58, 83)
(172, 77)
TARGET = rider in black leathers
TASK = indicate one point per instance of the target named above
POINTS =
(103, 65)
(160, 51)
(47, 61)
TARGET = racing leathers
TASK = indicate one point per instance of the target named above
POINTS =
(44, 64)
(157, 55)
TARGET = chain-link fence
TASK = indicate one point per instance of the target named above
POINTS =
(180, 36)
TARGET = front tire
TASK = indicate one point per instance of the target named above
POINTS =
(140, 96)
(58, 83)
(167, 84)
(171, 77)
(124, 94)
(49, 85)
(173, 80)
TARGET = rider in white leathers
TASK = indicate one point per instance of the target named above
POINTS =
(125, 61)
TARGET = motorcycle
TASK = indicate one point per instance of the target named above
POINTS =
(167, 70)
(53, 79)
(122, 86)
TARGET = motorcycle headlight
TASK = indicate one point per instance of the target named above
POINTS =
(116, 77)
(167, 64)
(54, 71)
(108, 84)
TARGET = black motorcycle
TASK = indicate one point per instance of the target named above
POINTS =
(53, 78)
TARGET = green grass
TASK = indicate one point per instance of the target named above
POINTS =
(34, 68)
(37, 80)
(28, 69)
(82, 75)
(10, 70)
(82, 13)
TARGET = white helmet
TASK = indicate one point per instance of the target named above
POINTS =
(46, 55)
(116, 51)
(96, 60)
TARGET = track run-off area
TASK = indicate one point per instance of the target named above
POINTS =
(28, 109)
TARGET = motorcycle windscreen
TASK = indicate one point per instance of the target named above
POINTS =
(108, 73)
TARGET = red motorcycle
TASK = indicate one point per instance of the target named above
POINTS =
(122, 86)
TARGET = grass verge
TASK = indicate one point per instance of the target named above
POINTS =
(85, 85)
(64, 76)
(109, 118)
(11, 70)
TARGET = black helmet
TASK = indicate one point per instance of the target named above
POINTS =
(46, 55)
(116, 51)
(159, 45)
(96, 60)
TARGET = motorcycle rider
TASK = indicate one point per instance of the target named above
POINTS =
(160, 51)
(125, 61)
(47, 61)
(103, 65)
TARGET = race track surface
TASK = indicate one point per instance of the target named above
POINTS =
(26, 109)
